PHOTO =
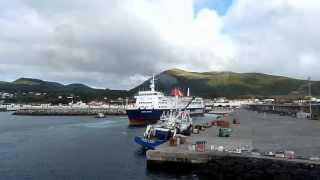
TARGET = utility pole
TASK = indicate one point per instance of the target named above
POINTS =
(310, 105)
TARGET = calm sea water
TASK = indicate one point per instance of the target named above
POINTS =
(73, 148)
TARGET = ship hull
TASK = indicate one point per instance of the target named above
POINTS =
(142, 117)
(148, 143)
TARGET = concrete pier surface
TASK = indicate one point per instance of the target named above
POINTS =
(240, 138)
(272, 132)
(264, 132)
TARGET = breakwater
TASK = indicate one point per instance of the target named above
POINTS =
(220, 110)
(287, 109)
(69, 111)
(221, 165)
(244, 167)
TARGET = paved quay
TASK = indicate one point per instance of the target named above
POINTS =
(240, 138)
(272, 132)
(265, 132)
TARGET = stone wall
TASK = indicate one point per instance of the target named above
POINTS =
(242, 168)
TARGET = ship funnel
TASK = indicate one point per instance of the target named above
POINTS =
(176, 92)
(188, 92)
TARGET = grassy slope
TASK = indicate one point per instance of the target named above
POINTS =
(54, 90)
(207, 84)
(239, 84)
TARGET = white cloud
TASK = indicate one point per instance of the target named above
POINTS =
(95, 42)
(196, 42)
(275, 36)
(123, 38)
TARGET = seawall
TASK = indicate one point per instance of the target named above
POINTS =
(239, 167)
(242, 168)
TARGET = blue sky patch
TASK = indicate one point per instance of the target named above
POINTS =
(220, 6)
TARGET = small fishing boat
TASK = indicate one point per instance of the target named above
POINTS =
(184, 123)
(100, 115)
(170, 124)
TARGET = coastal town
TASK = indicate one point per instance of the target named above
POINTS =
(299, 108)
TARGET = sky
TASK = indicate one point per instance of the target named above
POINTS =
(118, 44)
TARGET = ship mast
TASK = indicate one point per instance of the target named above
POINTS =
(152, 84)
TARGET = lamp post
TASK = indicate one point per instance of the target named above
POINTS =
(310, 105)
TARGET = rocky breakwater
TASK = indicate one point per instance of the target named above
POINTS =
(69, 111)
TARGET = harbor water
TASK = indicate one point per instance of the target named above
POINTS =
(79, 147)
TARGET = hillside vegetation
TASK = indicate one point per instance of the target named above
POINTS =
(26, 88)
(230, 84)
(206, 84)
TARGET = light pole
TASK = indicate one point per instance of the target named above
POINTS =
(310, 105)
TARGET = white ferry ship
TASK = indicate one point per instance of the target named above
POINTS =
(151, 104)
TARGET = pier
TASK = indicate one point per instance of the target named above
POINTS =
(256, 135)
(187, 153)
(220, 110)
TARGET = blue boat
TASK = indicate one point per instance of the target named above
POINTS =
(170, 124)
(148, 143)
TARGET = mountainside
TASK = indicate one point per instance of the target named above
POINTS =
(206, 84)
(25, 87)
(230, 84)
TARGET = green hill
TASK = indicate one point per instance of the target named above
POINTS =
(230, 84)
(25, 88)
(206, 84)
(28, 81)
